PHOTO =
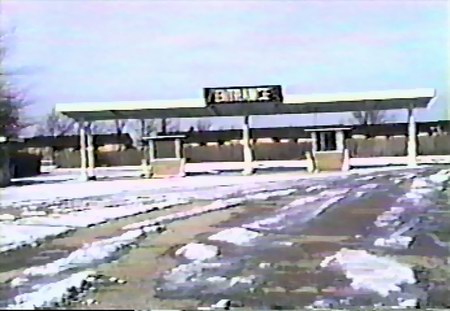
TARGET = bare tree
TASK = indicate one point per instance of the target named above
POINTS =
(151, 126)
(101, 127)
(203, 125)
(11, 105)
(116, 127)
(119, 126)
(135, 127)
(170, 126)
(56, 124)
(370, 117)
(12, 101)
(135, 130)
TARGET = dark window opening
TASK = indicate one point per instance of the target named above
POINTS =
(326, 141)
(164, 149)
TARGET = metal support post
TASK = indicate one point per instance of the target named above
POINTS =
(248, 156)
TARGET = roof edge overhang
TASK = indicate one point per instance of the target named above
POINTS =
(293, 104)
(361, 96)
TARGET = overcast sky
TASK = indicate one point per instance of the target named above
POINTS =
(75, 51)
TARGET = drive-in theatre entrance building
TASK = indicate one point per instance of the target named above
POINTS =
(329, 150)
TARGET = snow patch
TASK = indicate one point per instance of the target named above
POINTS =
(359, 194)
(440, 177)
(301, 202)
(313, 188)
(27, 213)
(18, 281)
(15, 236)
(236, 235)
(379, 274)
(308, 212)
(33, 229)
(399, 242)
(408, 303)
(369, 186)
(267, 195)
(389, 217)
(96, 216)
(89, 254)
(216, 279)
(214, 206)
(198, 251)
(242, 280)
(222, 304)
(366, 178)
(182, 273)
(50, 294)
(7, 217)
(419, 183)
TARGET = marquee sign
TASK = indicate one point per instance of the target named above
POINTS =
(243, 94)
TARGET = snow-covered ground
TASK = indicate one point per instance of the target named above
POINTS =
(68, 186)
(367, 271)
(64, 184)
(51, 294)
(13, 236)
(70, 204)
(413, 199)
(86, 255)
(30, 230)
(219, 204)
(308, 211)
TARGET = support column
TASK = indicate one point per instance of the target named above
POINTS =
(412, 139)
(163, 126)
(178, 151)
(143, 134)
(310, 156)
(144, 150)
(151, 150)
(248, 156)
(90, 153)
(84, 175)
(340, 141)
(179, 156)
(314, 142)
(151, 157)
(322, 141)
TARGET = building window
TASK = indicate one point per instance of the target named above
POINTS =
(326, 141)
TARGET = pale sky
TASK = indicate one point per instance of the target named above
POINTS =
(112, 50)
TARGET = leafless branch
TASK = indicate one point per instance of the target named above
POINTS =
(203, 125)
(370, 117)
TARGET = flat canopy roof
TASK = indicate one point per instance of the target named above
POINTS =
(293, 104)
(164, 137)
(328, 129)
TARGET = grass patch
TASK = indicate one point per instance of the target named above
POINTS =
(320, 238)
(309, 264)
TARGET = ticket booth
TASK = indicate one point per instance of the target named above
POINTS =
(329, 152)
(165, 156)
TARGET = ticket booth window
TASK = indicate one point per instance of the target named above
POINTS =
(165, 149)
(326, 141)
